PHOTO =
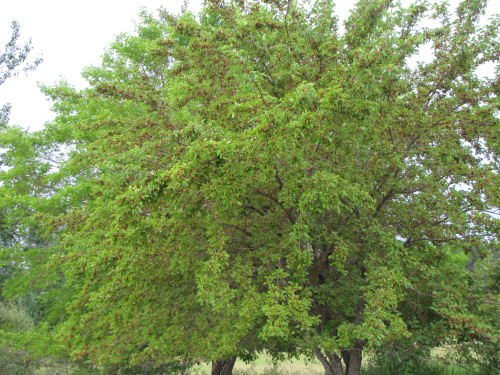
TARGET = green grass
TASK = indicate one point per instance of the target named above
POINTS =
(391, 366)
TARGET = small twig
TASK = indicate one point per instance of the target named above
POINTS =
(421, 293)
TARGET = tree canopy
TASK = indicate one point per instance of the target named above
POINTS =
(259, 177)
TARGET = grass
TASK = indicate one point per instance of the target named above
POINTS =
(264, 365)
(433, 368)
(394, 366)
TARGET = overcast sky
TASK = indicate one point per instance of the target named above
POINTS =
(69, 35)
(72, 34)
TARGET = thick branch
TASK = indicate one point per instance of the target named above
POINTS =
(238, 228)
(253, 208)
(384, 199)
(353, 208)
(273, 199)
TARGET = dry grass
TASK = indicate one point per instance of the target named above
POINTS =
(265, 366)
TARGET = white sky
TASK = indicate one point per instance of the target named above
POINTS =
(71, 35)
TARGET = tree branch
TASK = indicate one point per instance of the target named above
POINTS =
(258, 210)
(273, 199)
(244, 231)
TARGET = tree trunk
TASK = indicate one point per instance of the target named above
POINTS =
(354, 364)
(336, 363)
(353, 357)
(223, 366)
(332, 362)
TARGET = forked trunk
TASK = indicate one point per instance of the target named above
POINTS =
(223, 366)
(332, 363)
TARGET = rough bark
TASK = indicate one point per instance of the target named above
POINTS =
(336, 363)
(355, 358)
(223, 366)
(345, 357)
(331, 362)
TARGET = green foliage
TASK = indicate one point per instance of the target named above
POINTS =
(484, 354)
(14, 323)
(174, 368)
(14, 318)
(14, 56)
(253, 178)
(26, 343)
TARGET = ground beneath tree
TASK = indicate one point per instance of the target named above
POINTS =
(264, 365)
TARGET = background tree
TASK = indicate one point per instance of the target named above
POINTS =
(483, 353)
(24, 160)
(13, 59)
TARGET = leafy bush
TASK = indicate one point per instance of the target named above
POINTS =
(14, 320)
(483, 352)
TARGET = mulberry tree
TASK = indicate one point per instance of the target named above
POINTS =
(260, 177)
